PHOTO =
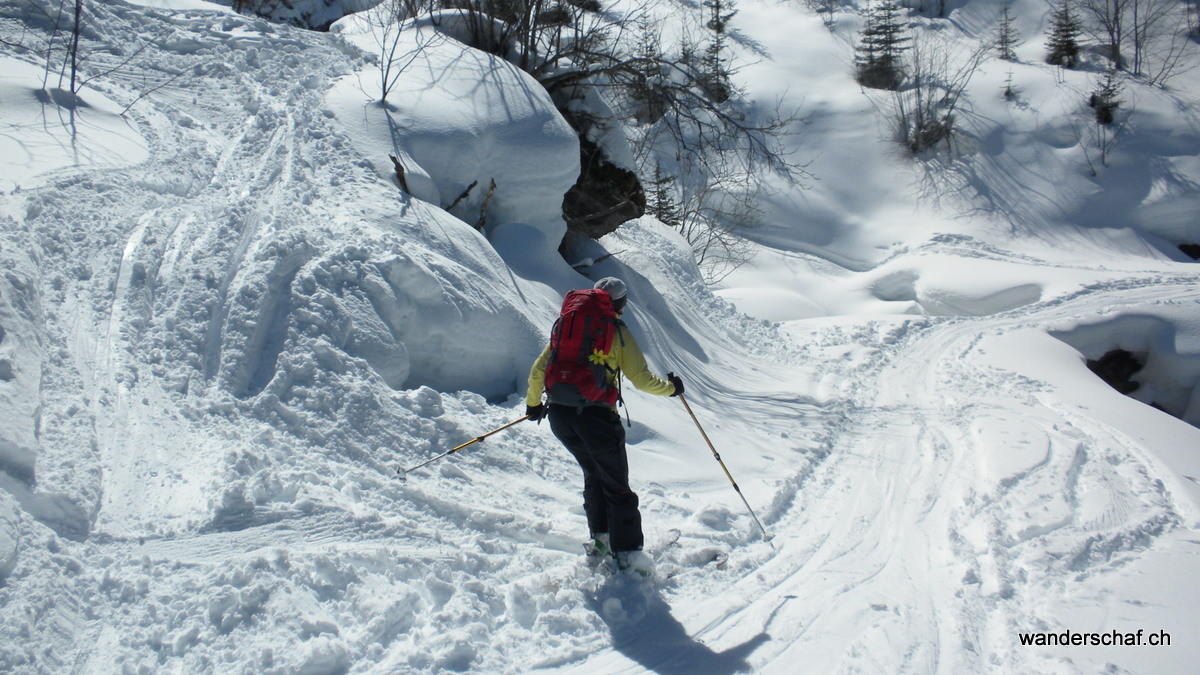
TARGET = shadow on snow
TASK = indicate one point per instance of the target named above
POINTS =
(644, 630)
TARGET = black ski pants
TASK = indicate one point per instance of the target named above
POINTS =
(594, 435)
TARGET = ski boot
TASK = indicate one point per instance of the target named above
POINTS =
(635, 561)
(597, 550)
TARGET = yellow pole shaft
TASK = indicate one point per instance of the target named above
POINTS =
(404, 472)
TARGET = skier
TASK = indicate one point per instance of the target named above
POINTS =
(580, 371)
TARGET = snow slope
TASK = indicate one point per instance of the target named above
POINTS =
(225, 327)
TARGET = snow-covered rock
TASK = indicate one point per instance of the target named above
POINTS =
(462, 118)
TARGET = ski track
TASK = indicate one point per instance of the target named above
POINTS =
(886, 486)
(898, 490)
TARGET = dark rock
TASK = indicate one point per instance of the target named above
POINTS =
(605, 195)
(1117, 368)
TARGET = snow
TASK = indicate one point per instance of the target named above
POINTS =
(459, 133)
(47, 132)
(20, 362)
(224, 328)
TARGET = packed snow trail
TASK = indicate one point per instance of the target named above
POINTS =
(204, 513)
(899, 556)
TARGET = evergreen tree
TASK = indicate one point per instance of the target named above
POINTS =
(646, 88)
(1062, 47)
(660, 201)
(714, 76)
(1006, 37)
(719, 14)
(881, 44)
(1106, 98)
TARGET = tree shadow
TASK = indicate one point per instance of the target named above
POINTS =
(644, 630)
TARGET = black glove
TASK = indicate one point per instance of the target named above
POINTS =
(674, 379)
(535, 412)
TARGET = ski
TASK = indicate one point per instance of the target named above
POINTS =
(605, 563)
(718, 560)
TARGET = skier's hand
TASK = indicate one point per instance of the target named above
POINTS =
(535, 412)
(674, 379)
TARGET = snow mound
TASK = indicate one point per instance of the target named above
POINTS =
(455, 118)
(1167, 344)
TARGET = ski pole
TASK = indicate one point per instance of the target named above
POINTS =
(766, 537)
(403, 473)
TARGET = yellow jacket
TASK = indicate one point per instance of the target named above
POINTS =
(626, 357)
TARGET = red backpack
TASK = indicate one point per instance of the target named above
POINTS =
(586, 324)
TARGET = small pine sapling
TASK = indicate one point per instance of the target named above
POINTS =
(660, 200)
(1106, 99)
(1010, 90)
(1007, 39)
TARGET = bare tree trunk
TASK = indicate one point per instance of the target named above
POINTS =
(1107, 24)
(479, 224)
(400, 173)
(73, 51)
